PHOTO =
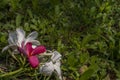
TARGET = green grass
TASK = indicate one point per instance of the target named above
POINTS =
(85, 32)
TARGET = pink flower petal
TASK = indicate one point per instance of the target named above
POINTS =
(22, 44)
(29, 48)
(21, 50)
(38, 50)
(34, 62)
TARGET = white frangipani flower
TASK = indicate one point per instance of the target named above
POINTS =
(54, 65)
(17, 39)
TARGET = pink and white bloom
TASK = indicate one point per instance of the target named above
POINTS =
(17, 40)
(32, 53)
(53, 65)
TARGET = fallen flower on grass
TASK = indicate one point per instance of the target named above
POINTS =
(53, 65)
(19, 43)
(17, 40)
(31, 48)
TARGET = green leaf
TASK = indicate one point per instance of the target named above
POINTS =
(71, 60)
(35, 4)
(87, 39)
(3, 39)
(18, 20)
(83, 57)
(29, 13)
(14, 4)
(97, 2)
(54, 2)
(86, 75)
(57, 9)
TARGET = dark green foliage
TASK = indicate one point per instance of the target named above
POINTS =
(85, 32)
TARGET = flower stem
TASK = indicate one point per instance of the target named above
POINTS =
(11, 73)
(46, 54)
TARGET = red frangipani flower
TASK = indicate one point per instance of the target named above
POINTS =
(32, 53)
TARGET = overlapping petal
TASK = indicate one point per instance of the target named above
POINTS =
(29, 49)
(31, 37)
(34, 62)
(20, 36)
(35, 42)
(38, 50)
(21, 50)
(32, 52)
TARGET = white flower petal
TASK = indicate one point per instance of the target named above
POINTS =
(47, 68)
(58, 70)
(12, 38)
(58, 63)
(5, 48)
(10, 41)
(31, 37)
(56, 56)
(20, 36)
(35, 42)
(34, 46)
